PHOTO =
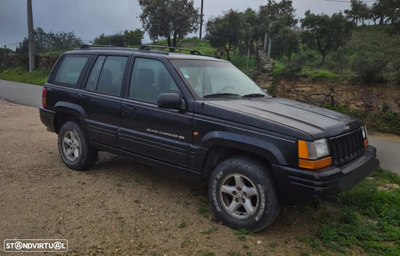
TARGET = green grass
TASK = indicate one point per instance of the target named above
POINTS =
(182, 224)
(210, 230)
(386, 122)
(322, 74)
(365, 216)
(278, 70)
(21, 74)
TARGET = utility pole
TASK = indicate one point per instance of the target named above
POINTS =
(201, 19)
(32, 53)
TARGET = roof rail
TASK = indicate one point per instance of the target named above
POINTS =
(107, 47)
(171, 49)
(86, 46)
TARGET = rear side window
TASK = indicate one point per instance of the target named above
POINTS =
(70, 69)
(95, 74)
(107, 75)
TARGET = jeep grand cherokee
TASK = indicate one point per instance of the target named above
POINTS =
(202, 115)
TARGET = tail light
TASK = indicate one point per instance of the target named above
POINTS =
(44, 94)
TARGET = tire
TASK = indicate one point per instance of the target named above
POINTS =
(258, 204)
(74, 148)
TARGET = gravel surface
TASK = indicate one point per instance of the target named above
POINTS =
(118, 207)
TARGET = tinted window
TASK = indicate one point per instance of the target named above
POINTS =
(111, 75)
(95, 74)
(150, 78)
(70, 69)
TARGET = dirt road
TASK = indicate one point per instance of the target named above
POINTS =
(119, 207)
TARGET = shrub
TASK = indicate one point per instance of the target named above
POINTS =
(296, 65)
(278, 69)
(369, 69)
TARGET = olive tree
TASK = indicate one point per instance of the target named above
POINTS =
(225, 31)
(170, 19)
(326, 33)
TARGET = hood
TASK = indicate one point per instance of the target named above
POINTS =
(317, 122)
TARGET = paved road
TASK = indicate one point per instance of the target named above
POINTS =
(388, 152)
(28, 94)
(25, 94)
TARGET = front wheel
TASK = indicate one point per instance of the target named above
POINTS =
(74, 148)
(243, 194)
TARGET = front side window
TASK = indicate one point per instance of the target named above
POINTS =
(216, 79)
(70, 69)
(149, 79)
(107, 75)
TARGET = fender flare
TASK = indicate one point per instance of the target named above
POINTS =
(70, 108)
(251, 144)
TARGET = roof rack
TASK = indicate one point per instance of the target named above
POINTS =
(147, 48)
(107, 47)
(171, 49)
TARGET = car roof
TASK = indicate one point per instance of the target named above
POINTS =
(134, 51)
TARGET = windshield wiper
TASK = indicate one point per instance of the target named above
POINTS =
(254, 95)
(221, 95)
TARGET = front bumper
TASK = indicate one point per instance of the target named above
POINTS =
(301, 185)
(47, 117)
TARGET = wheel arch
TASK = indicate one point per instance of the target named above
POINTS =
(222, 149)
(66, 111)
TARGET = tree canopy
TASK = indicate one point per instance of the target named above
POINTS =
(327, 33)
(47, 42)
(225, 31)
(170, 19)
(121, 39)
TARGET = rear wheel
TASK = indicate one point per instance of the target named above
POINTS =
(243, 194)
(74, 148)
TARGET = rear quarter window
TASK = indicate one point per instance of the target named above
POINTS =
(70, 69)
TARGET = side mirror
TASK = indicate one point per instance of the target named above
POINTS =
(170, 101)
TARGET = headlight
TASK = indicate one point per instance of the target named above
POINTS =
(313, 155)
(364, 132)
(313, 150)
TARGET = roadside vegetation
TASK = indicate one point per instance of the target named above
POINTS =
(368, 216)
(22, 74)
(386, 122)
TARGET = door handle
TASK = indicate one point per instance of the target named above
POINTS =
(82, 96)
(128, 108)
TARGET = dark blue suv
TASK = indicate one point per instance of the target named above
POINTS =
(202, 115)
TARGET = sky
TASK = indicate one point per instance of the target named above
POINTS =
(89, 18)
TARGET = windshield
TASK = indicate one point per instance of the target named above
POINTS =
(216, 79)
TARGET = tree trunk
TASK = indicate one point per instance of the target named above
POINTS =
(227, 52)
(169, 41)
(174, 40)
(227, 55)
(323, 58)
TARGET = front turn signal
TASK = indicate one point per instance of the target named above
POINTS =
(365, 143)
(315, 164)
